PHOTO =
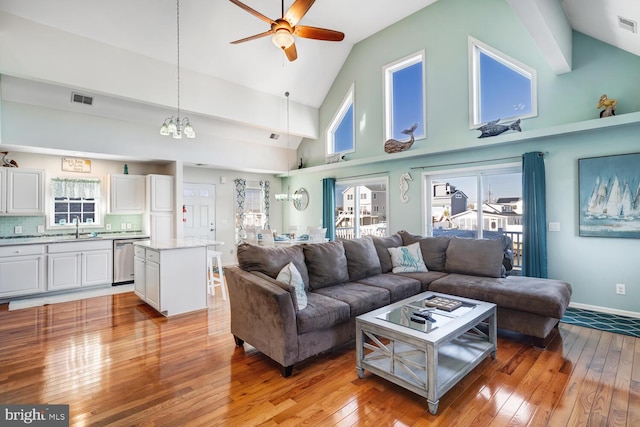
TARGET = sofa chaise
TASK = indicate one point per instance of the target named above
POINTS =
(323, 287)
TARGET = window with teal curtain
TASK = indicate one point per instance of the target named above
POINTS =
(534, 218)
(329, 207)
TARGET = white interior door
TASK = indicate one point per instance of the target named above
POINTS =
(199, 213)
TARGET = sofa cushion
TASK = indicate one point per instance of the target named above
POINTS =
(326, 264)
(545, 297)
(290, 276)
(321, 312)
(434, 249)
(425, 278)
(477, 257)
(399, 287)
(382, 244)
(361, 298)
(270, 260)
(407, 259)
(362, 258)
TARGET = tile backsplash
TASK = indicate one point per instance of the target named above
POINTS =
(29, 224)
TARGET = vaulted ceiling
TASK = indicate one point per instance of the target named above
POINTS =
(118, 30)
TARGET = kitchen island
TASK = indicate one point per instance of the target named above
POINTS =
(171, 275)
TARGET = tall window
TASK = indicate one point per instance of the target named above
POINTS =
(341, 130)
(75, 199)
(404, 92)
(478, 203)
(361, 208)
(500, 86)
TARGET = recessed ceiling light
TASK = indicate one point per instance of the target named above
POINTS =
(628, 24)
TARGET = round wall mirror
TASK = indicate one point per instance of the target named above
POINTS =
(301, 201)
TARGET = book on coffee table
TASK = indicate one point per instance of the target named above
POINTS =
(442, 303)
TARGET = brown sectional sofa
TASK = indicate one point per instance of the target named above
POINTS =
(344, 279)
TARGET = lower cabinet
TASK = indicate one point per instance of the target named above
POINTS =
(22, 270)
(172, 281)
(76, 264)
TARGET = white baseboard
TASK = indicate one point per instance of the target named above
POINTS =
(606, 310)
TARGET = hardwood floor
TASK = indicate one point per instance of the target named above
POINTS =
(117, 362)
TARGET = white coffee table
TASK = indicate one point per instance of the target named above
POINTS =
(430, 358)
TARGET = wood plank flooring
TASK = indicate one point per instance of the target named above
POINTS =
(117, 362)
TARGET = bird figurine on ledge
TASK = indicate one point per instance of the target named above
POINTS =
(609, 106)
(395, 146)
(8, 163)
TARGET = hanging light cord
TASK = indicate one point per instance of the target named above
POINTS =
(178, 46)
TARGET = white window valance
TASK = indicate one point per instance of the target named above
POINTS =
(75, 188)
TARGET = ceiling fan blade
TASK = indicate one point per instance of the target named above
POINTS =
(252, 11)
(318, 33)
(291, 52)
(297, 11)
(257, 36)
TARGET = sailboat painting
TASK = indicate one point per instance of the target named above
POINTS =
(610, 196)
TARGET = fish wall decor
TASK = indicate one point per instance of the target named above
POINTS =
(493, 128)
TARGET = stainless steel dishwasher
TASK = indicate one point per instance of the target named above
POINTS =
(123, 260)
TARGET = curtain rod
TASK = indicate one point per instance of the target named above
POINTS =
(360, 176)
(540, 153)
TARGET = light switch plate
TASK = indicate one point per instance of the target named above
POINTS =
(108, 226)
(123, 226)
(554, 226)
(18, 229)
(41, 229)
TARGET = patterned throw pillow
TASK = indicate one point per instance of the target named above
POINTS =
(407, 259)
(291, 276)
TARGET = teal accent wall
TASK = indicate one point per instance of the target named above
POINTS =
(592, 265)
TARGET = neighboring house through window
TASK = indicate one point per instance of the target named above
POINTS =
(358, 212)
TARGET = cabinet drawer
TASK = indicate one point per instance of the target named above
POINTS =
(19, 250)
(153, 256)
(138, 251)
(74, 246)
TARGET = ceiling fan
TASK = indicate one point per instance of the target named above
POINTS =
(283, 29)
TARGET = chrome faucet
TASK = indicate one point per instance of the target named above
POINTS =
(77, 221)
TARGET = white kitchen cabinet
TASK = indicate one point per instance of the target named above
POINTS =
(77, 264)
(160, 193)
(3, 190)
(22, 191)
(161, 226)
(127, 194)
(174, 279)
(139, 276)
(22, 270)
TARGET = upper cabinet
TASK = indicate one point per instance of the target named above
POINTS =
(160, 193)
(22, 191)
(127, 194)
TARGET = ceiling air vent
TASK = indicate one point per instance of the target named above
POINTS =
(274, 136)
(81, 99)
(628, 24)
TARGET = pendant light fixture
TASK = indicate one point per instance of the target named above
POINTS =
(287, 197)
(175, 126)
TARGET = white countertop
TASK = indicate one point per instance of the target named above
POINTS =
(186, 242)
(67, 238)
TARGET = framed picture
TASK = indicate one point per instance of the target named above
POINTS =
(610, 196)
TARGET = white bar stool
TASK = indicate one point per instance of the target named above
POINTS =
(212, 280)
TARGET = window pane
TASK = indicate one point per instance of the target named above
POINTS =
(454, 204)
(407, 103)
(358, 214)
(504, 92)
(343, 135)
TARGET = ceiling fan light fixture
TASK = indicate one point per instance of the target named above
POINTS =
(282, 38)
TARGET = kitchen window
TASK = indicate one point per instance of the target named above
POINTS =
(73, 198)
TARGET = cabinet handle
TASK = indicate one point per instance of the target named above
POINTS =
(18, 251)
